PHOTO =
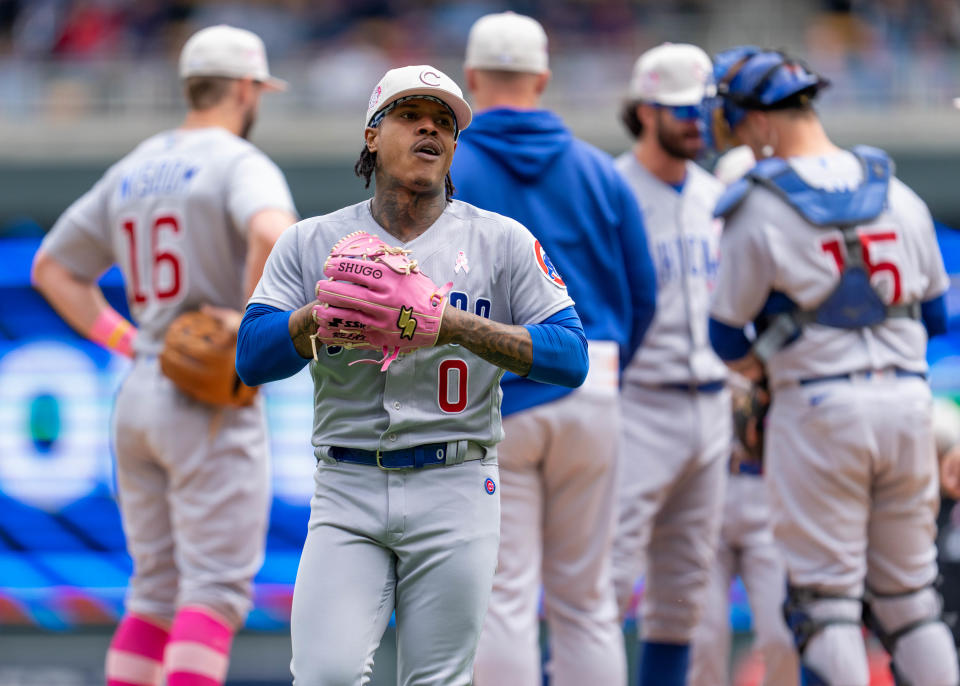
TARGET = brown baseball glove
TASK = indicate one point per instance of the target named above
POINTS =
(199, 356)
(750, 406)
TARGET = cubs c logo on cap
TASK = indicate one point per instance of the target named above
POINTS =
(546, 266)
(490, 486)
(431, 78)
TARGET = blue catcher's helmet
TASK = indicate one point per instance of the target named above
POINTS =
(751, 78)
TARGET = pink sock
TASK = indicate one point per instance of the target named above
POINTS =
(198, 651)
(135, 657)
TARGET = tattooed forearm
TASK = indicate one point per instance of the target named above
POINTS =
(301, 327)
(504, 345)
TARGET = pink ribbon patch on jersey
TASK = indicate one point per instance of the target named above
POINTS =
(461, 263)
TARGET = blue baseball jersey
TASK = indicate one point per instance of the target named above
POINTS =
(528, 166)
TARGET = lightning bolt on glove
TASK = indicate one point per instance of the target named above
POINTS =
(375, 297)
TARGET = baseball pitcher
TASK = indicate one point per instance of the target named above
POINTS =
(410, 307)
(676, 410)
(835, 263)
(559, 456)
(189, 216)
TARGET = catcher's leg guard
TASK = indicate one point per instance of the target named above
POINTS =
(826, 630)
(920, 645)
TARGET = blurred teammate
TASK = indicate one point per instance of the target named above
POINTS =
(558, 460)
(419, 534)
(189, 216)
(676, 410)
(846, 283)
(746, 547)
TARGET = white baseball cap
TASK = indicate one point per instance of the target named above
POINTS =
(507, 41)
(419, 79)
(673, 74)
(227, 51)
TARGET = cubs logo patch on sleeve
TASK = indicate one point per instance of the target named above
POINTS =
(546, 266)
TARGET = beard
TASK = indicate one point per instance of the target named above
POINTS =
(249, 119)
(679, 143)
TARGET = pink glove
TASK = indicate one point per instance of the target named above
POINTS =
(377, 298)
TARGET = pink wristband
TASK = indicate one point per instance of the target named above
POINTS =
(113, 332)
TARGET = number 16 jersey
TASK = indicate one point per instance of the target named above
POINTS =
(173, 215)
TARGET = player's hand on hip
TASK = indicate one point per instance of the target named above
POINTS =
(227, 316)
(950, 473)
(748, 366)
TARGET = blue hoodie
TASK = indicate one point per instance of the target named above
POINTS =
(528, 166)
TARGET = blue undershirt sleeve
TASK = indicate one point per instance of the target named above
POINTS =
(265, 351)
(933, 313)
(729, 342)
(559, 350)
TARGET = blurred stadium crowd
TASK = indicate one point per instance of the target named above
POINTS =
(111, 28)
(68, 57)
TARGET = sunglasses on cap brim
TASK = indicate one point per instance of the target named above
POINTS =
(683, 112)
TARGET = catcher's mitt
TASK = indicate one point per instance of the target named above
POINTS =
(376, 297)
(750, 406)
(199, 356)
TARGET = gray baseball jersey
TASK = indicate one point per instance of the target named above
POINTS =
(780, 251)
(422, 542)
(853, 478)
(684, 243)
(435, 394)
(173, 215)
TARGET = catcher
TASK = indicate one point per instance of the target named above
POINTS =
(405, 516)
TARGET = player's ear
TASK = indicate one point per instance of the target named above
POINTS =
(370, 135)
(756, 119)
(542, 82)
(757, 124)
(470, 76)
(246, 90)
(646, 114)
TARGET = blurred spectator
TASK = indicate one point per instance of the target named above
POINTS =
(876, 51)
(342, 73)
